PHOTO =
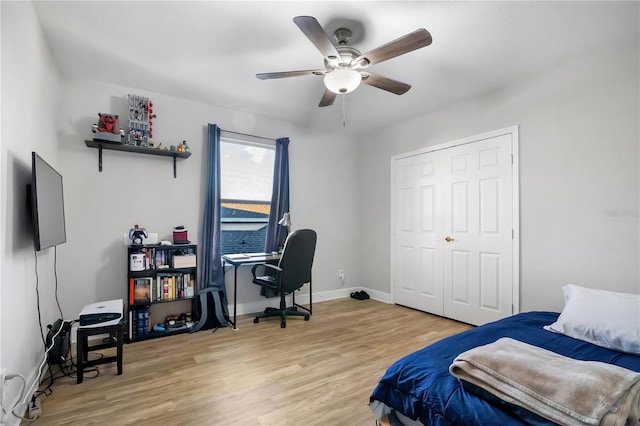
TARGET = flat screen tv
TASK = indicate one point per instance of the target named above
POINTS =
(46, 201)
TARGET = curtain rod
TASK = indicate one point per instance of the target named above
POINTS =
(246, 134)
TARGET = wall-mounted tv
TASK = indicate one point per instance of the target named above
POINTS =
(47, 204)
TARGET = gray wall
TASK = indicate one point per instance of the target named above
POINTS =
(29, 123)
(579, 183)
(140, 189)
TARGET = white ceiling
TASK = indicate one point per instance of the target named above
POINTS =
(210, 51)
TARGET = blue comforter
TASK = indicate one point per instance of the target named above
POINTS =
(421, 387)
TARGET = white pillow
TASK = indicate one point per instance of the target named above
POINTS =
(604, 318)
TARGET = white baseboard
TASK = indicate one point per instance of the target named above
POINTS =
(303, 299)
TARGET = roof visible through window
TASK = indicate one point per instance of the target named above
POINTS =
(246, 172)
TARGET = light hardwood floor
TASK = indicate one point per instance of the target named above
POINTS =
(319, 372)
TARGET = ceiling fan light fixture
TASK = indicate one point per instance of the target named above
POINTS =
(342, 80)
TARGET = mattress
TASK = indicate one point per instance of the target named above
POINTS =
(420, 387)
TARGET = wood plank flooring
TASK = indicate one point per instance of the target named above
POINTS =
(319, 372)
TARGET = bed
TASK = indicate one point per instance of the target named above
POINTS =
(421, 388)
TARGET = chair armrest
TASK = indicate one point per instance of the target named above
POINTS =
(275, 268)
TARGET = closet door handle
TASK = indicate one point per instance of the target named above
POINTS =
(449, 239)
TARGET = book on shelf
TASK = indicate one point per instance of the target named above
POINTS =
(142, 322)
(164, 286)
(179, 288)
(161, 259)
(157, 292)
(139, 323)
(154, 290)
(149, 254)
(190, 286)
(159, 289)
(142, 290)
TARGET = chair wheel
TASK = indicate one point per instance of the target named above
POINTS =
(283, 324)
(256, 320)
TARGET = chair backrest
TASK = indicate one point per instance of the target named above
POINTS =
(297, 259)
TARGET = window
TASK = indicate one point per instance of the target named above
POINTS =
(246, 175)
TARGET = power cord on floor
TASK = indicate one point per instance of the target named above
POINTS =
(23, 382)
(23, 394)
(33, 406)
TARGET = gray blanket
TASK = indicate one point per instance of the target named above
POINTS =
(561, 389)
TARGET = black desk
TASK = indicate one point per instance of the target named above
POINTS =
(237, 260)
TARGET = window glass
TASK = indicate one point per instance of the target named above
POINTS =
(246, 173)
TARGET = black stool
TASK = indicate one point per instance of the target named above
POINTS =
(83, 347)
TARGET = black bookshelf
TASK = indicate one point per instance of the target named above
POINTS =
(158, 278)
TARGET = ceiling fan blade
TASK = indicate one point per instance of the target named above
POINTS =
(385, 83)
(284, 74)
(327, 98)
(312, 29)
(410, 42)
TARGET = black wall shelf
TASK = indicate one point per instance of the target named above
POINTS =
(114, 146)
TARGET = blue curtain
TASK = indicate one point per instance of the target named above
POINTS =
(276, 234)
(212, 277)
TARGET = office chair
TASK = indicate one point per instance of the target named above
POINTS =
(291, 273)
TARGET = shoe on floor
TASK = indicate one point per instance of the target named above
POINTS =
(360, 295)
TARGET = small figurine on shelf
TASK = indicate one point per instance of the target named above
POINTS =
(107, 128)
(137, 235)
(108, 123)
(185, 147)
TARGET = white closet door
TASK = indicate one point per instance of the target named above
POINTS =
(417, 252)
(452, 250)
(478, 223)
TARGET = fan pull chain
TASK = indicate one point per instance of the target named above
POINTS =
(344, 110)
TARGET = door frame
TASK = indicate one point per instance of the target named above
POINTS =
(513, 132)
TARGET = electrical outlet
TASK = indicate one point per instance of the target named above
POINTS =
(35, 409)
(341, 274)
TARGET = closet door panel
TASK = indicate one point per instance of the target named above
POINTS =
(417, 258)
(478, 222)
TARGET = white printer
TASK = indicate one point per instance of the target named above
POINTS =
(101, 314)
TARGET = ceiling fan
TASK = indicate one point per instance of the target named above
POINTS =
(345, 66)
